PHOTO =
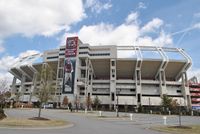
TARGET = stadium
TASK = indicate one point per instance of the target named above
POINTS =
(117, 75)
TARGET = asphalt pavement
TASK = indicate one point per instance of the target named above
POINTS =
(91, 124)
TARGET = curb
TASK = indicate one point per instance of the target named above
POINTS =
(38, 128)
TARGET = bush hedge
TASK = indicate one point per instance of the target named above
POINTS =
(24, 105)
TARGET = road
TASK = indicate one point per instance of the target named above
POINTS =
(90, 124)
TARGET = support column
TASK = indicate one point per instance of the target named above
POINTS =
(161, 72)
(138, 77)
(33, 86)
(22, 88)
(86, 79)
(13, 89)
(138, 86)
(162, 85)
(185, 90)
(112, 84)
(59, 81)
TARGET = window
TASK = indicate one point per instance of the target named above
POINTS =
(83, 47)
(83, 52)
(53, 57)
(113, 63)
(82, 73)
(138, 98)
(94, 89)
(61, 63)
(100, 54)
(113, 97)
(83, 63)
(60, 74)
(132, 90)
(82, 88)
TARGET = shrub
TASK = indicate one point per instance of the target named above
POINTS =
(2, 115)
(25, 105)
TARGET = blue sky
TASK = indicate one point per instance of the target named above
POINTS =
(33, 26)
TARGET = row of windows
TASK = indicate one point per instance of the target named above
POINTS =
(98, 54)
(62, 54)
(53, 57)
(63, 49)
(83, 47)
(102, 54)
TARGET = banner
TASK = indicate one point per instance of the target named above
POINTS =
(70, 64)
(71, 47)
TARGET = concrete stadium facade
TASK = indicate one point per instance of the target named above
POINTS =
(127, 75)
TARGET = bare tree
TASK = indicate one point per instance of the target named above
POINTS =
(4, 93)
(65, 101)
(96, 102)
(46, 89)
(169, 103)
(88, 102)
(3, 85)
(17, 96)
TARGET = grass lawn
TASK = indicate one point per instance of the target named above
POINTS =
(17, 122)
(195, 129)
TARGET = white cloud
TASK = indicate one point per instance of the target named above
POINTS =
(108, 34)
(132, 17)
(163, 39)
(127, 33)
(42, 17)
(28, 53)
(96, 6)
(194, 72)
(141, 5)
(196, 26)
(6, 76)
(152, 25)
(6, 62)
(145, 41)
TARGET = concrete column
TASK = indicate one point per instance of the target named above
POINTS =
(138, 86)
(86, 78)
(33, 86)
(112, 82)
(13, 87)
(22, 87)
(162, 79)
(185, 90)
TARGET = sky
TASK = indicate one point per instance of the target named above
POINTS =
(33, 26)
